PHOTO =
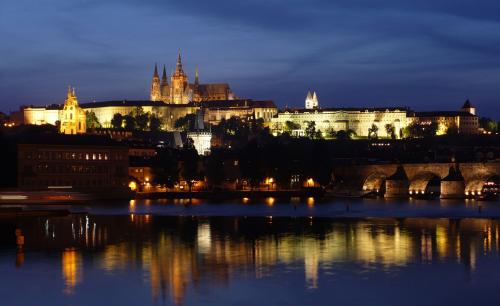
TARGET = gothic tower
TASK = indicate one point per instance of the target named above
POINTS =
(179, 84)
(155, 86)
(311, 101)
(196, 87)
(468, 108)
(164, 88)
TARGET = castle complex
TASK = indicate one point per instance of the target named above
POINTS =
(180, 91)
(169, 101)
(172, 98)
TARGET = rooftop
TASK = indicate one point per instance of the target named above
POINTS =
(349, 109)
(238, 103)
(443, 114)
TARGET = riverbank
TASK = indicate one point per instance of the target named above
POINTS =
(233, 194)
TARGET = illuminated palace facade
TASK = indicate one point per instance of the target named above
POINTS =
(361, 120)
(169, 101)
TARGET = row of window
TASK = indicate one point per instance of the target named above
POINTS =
(44, 183)
(51, 155)
(69, 169)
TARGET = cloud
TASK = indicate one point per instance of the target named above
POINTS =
(354, 52)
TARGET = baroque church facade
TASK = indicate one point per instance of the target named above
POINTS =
(72, 117)
(180, 91)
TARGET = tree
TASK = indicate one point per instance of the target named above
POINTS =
(186, 123)
(130, 123)
(318, 135)
(189, 168)
(165, 168)
(421, 130)
(117, 121)
(373, 131)
(215, 167)
(154, 123)
(311, 129)
(137, 111)
(290, 126)
(91, 120)
(142, 121)
(321, 163)
(489, 125)
(390, 130)
(345, 135)
(251, 163)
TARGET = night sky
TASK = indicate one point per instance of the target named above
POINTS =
(425, 54)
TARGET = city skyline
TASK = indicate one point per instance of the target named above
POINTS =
(421, 55)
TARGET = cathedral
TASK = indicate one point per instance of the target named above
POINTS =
(180, 91)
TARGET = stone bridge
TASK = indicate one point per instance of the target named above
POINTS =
(449, 180)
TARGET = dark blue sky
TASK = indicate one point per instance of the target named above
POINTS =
(423, 54)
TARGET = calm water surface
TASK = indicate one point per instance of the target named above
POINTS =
(143, 254)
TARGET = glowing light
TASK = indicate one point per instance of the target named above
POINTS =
(13, 197)
(310, 182)
(245, 200)
(132, 185)
(310, 201)
(270, 201)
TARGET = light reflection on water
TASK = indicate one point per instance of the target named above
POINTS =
(186, 260)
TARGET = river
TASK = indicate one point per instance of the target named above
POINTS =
(249, 252)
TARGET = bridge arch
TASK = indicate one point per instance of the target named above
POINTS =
(425, 183)
(488, 182)
(375, 182)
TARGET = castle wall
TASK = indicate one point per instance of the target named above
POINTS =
(358, 121)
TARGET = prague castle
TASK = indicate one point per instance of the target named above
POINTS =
(172, 98)
(180, 91)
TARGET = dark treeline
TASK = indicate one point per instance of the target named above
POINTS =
(292, 161)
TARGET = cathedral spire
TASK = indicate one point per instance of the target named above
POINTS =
(155, 86)
(196, 76)
(164, 78)
(155, 75)
(178, 67)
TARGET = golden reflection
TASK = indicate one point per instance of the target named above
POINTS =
(441, 241)
(426, 247)
(310, 202)
(71, 269)
(270, 201)
(173, 262)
